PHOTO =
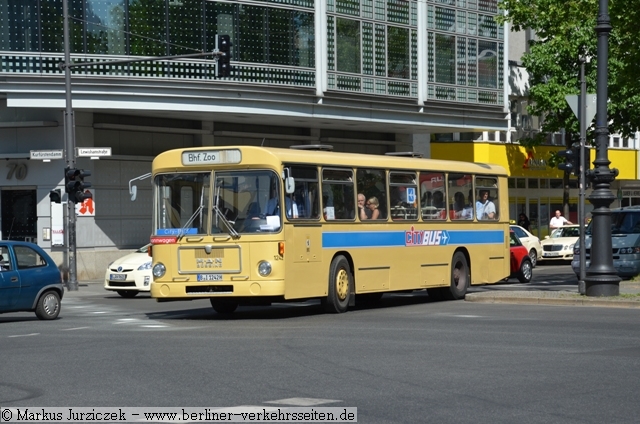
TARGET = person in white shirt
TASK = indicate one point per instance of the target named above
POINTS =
(558, 221)
(485, 209)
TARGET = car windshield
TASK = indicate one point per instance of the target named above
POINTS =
(625, 223)
(514, 241)
(144, 249)
(566, 232)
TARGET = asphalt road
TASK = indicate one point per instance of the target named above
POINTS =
(405, 360)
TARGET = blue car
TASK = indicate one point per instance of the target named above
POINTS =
(29, 280)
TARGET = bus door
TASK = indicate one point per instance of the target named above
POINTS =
(304, 273)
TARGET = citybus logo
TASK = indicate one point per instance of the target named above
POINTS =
(415, 237)
(534, 164)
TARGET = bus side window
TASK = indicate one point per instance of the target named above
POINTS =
(371, 184)
(305, 195)
(486, 200)
(432, 195)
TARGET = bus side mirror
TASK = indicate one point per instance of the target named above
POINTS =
(289, 185)
(133, 191)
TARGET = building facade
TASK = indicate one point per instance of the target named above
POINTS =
(363, 75)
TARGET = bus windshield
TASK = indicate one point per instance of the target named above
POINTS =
(242, 202)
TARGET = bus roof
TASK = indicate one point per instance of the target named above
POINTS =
(253, 156)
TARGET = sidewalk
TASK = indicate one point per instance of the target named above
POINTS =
(629, 297)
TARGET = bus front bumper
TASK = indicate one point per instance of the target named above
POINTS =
(172, 290)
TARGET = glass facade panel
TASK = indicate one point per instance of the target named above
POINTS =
(148, 23)
(487, 64)
(106, 26)
(20, 26)
(348, 45)
(348, 7)
(185, 26)
(445, 19)
(398, 52)
(487, 26)
(398, 11)
(445, 59)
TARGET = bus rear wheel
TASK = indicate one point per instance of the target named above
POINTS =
(340, 284)
(460, 277)
(224, 306)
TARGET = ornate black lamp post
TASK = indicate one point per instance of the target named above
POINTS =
(601, 279)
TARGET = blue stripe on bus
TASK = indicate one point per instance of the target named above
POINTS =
(398, 238)
(363, 239)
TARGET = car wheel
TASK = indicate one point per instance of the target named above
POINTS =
(48, 306)
(533, 255)
(128, 293)
(526, 271)
(340, 285)
(224, 306)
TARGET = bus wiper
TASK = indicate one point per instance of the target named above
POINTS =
(224, 219)
(183, 230)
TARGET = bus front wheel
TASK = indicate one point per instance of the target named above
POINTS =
(224, 306)
(340, 283)
(460, 276)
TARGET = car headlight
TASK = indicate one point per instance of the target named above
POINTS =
(264, 268)
(571, 246)
(159, 270)
(146, 265)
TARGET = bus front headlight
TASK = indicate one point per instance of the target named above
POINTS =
(159, 270)
(264, 268)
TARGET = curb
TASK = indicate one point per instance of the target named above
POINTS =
(559, 299)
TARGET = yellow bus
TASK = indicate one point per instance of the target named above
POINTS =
(246, 225)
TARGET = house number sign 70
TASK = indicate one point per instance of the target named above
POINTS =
(17, 169)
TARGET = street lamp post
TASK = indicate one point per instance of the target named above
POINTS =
(601, 278)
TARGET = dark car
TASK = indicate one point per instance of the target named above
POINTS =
(29, 280)
(521, 266)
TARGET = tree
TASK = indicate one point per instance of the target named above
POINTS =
(565, 31)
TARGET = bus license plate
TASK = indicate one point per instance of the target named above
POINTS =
(209, 277)
(117, 277)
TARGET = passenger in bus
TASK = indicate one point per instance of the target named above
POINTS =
(485, 209)
(363, 211)
(460, 209)
(438, 200)
(372, 206)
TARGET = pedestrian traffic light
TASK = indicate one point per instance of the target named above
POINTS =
(223, 43)
(571, 160)
(75, 185)
(55, 196)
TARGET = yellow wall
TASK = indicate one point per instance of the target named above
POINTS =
(532, 163)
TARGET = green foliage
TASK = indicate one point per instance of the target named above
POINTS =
(565, 30)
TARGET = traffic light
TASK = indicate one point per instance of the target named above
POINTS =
(70, 180)
(55, 196)
(571, 160)
(223, 43)
(75, 185)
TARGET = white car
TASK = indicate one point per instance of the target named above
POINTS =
(531, 242)
(559, 246)
(130, 274)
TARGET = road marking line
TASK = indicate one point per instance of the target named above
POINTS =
(73, 329)
(302, 401)
(25, 335)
